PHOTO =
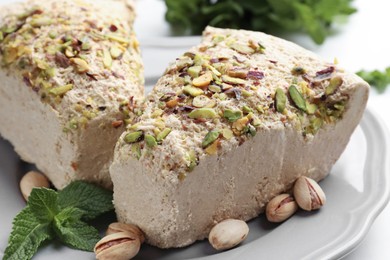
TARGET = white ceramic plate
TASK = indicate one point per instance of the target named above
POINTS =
(357, 189)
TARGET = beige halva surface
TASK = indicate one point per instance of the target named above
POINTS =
(68, 70)
(218, 147)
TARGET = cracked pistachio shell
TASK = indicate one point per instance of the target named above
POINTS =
(31, 180)
(117, 246)
(228, 233)
(117, 227)
(308, 194)
(281, 208)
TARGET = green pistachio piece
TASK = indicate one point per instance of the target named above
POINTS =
(214, 70)
(297, 97)
(251, 130)
(194, 71)
(210, 138)
(10, 28)
(215, 88)
(246, 109)
(50, 72)
(41, 21)
(232, 115)
(80, 65)
(107, 60)
(203, 113)
(243, 49)
(85, 46)
(192, 91)
(280, 100)
(231, 80)
(203, 101)
(193, 161)
(136, 150)
(218, 38)
(115, 52)
(150, 140)
(52, 34)
(117, 38)
(1, 36)
(315, 124)
(334, 83)
(58, 91)
(164, 133)
(133, 137)
(246, 93)
(310, 108)
(198, 60)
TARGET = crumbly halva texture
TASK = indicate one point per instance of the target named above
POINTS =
(231, 124)
(71, 71)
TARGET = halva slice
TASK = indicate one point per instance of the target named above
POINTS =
(70, 73)
(232, 123)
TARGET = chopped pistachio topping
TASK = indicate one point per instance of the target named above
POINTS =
(231, 80)
(163, 134)
(192, 91)
(334, 83)
(243, 49)
(194, 71)
(210, 138)
(80, 65)
(150, 140)
(280, 100)
(232, 115)
(58, 91)
(203, 101)
(297, 97)
(107, 60)
(203, 80)
(115, 52)
(203, 113)
(133, 137)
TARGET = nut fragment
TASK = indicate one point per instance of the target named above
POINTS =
(117, 227)
(117, 246)
(308, 194)
(281, 208)
(32, 180)
(228, 234)
(80, 65)
(203, 80)
(203, 101)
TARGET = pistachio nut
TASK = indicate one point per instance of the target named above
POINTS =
(203, 80)
(59, 91)
(281, 208)
(280, 100)
(203, 101)
(308, 194)
(133, 137)
(334, 83)
(297, 97)
(117, 227)
(161, 136)
(228, 233)
(192, 91)
(117, 246)
(194, 71)
(202, 113)
(150, 141)
(80, 65)
(31, 180)
(243, 49)
(210, 138)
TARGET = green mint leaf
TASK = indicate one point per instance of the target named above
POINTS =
(376, 78)
(88, 197)
(27, 235)
(74, 232)
(43, 204)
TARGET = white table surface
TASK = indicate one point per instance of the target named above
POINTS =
(361, 43)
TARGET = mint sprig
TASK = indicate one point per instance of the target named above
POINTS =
(50, 214)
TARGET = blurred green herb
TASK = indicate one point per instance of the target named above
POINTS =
(314, 17)
(376, 78)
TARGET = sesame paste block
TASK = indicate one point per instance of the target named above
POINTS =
(69, 73)
(231, 124)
